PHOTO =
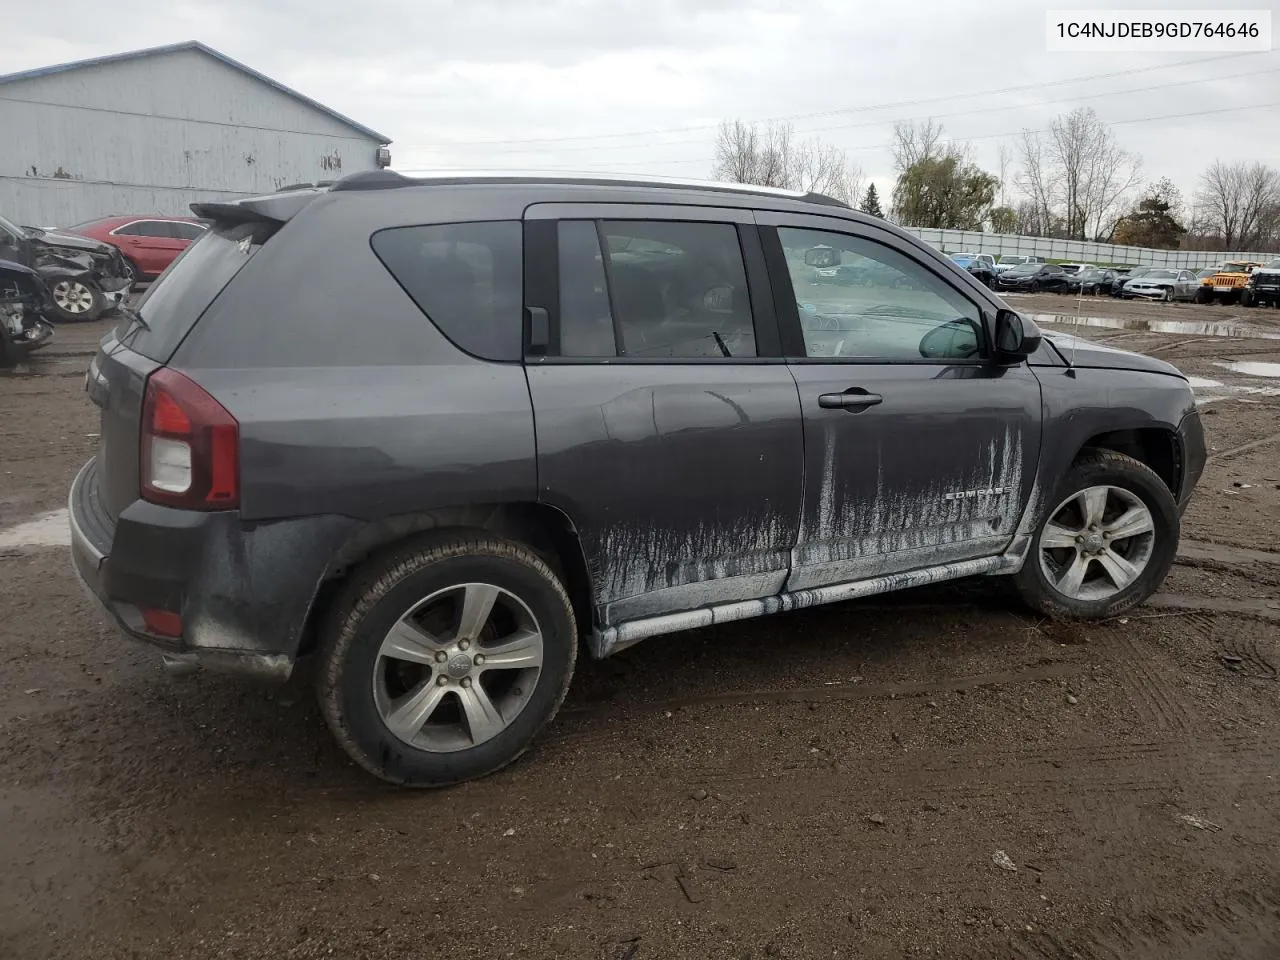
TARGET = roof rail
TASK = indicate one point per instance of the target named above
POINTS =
(392, 179)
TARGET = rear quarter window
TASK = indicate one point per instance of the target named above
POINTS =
(466, 277)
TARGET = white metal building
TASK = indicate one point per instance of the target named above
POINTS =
(153, 130)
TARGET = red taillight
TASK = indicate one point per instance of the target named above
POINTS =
(163, 623)
(190, 446)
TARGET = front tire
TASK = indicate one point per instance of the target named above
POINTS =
(1107, 542)
(443, 660)
(75, 301)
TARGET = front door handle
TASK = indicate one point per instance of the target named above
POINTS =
(855, 398)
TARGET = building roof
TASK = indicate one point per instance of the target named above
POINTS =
(208, 51)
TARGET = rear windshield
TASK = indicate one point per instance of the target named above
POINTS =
(174, 302)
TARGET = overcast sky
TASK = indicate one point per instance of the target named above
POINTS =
(448, 80)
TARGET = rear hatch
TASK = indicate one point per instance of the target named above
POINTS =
(150, 332)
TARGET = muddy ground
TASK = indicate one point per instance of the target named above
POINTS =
(832, 783)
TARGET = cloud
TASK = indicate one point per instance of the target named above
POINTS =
(448, 78)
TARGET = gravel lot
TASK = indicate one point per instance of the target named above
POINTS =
(832, 783)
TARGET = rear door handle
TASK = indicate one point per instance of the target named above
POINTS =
(855, 398)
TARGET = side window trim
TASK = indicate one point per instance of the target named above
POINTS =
(542, 271)
(610, 292)
(792, 334)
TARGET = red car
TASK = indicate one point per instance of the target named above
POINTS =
(149, 244)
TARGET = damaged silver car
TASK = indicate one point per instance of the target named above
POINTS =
(84, 278)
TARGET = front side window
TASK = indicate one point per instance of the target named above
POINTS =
(878, 304)
(653, 290)
(466, 277)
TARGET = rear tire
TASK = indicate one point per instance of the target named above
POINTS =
(397, 653)
(1117, 569)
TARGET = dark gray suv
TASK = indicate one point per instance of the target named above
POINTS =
(434, 431)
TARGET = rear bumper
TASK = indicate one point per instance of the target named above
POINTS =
(243, 591)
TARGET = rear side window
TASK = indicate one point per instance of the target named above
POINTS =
(173, 304)
(657, 290)
(186, 231)
(466, 277)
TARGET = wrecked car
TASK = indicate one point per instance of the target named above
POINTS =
(23, 300)
(85, 278)
(586, 411)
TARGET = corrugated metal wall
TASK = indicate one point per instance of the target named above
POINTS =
(1076, 251)
(153, 135)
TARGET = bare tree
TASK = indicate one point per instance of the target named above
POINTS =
(1039, 183)
(1238, 202)
(772, 156)
(1079, 172)
(914, 142)
(1004, 157)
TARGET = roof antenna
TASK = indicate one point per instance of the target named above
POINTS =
(1075, 322)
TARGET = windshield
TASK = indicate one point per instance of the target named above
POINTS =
(1234, 268)
(12, 228)
(963, 261)
(1024, 269)
(1012, 260)
(1161, 275)
(1274, 264)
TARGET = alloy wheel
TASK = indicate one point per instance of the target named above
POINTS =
(458, 667)
(1097, 543)
(72, 296)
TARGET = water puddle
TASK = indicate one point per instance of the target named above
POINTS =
(48, 530)
(1200, 383)
(1186, 328)
(1250, 368)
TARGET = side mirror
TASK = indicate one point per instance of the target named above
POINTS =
(822, 257)
(955, 340)
(1015, 339)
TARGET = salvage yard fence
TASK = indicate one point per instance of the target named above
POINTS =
(1081, 251)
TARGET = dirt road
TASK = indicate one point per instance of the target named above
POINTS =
(833, 783)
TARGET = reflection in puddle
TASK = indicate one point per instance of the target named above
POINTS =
(1190, 328)
(1250, 368)
(1199, 383)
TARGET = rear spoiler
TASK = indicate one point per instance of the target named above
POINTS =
(275, 208)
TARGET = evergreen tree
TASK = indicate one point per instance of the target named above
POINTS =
(871, 202)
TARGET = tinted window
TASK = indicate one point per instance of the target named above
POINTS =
(653, 289)
(586, 322)
(156, 228)
(185, 231)
(881, 306)
(173, 304)
(129, 230)
(466, 277)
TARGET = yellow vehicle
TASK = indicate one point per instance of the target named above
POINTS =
(1227, 283)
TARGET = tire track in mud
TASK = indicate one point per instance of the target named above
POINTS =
(1037, 778)
(1244, 926)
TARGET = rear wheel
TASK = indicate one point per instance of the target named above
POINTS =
(1106, 545)
(445, 659)
(75, 300)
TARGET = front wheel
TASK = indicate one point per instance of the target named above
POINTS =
(75, 300)
(1106, 545)
(444, 660)
(1168, 295)
(1204, 295)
